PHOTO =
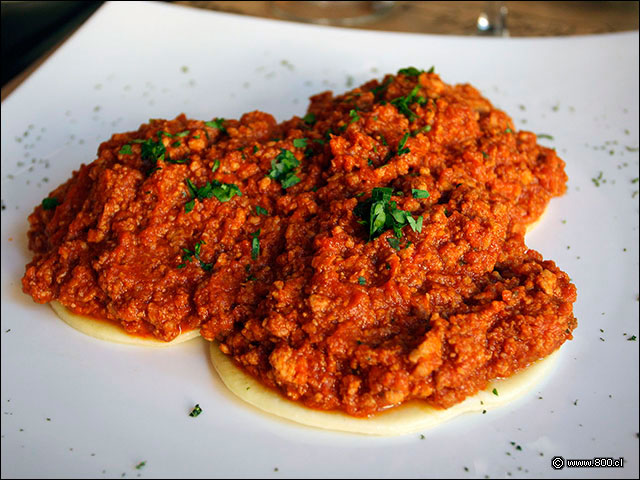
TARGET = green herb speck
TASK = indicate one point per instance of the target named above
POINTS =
(125, 150)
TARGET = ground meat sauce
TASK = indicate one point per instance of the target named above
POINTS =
(288, 280)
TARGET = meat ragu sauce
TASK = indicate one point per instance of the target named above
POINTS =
(290, 280)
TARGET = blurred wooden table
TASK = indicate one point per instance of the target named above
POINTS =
(525, 19)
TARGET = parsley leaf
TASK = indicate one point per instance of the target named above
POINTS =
(222, 191)
(402, 103)
(196, 411)
(216, 165)
(354, 116)
(382, 87)
(171, 160)
(255, 245)
(410, 71)
(126, 150)
(426, 128)
(188, 255)
(50, 203)
(362, 280)
(300, 142)
(417, 193)
(283, 169)
(152, 150)
(394, 243)
(401, 146)
(309, 119)
(413, 71)
(380, 214)
(217, 123)
(261, 211)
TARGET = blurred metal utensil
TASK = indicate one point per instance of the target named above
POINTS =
(493, 20)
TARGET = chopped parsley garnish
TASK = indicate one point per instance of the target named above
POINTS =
(177, 143)
(380, 214)
(597, 180)
(485, 154)
(426, 128)
(283, 169)
(417, 193)
(140, 465)
(410, 71)
(50, 203)
(402, 103)
(632, 338)
(171, 160)
(394, 243)
(216, 165)
(126, 150)
(188, 255)
(495, 392)
(353, 114)
(507, 130)
(217, 123)
(255, 245)
(182, 134)
(222, 191)
(196, 411)
(354, 118)
(300, 142)
(401, 146)
(151, 149)
(382, 87)
(255, 149)
(545, 135)
(362, 280)
(309, 119)
(261, 211)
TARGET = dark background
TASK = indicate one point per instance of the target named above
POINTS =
(29, 29)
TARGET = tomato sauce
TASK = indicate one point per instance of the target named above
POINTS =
(267, 236)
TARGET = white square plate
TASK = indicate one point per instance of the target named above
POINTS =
(77, 407)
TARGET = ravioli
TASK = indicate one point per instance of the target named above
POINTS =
(413, 416)
(111, 332)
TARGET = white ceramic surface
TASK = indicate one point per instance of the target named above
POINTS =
(73, 406)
